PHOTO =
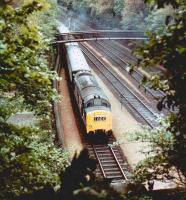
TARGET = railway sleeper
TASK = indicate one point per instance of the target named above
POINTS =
(124, 168)
(101, 148)
(113, 172)
(106, 155)
(108, 161)
(111, 169)
(115, 177)
(110, 158)
(109, 165)
(117, 154)
(104, 151)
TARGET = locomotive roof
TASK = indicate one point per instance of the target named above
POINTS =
(76, 58)
(88, 87)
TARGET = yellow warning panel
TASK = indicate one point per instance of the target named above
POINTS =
(99, 120)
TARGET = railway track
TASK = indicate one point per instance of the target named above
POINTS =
(124, 60)
(140, 110)
(120, 51)
(112, 52)
(110, 161)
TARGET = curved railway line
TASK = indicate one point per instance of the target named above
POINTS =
(123, 54)
(124, 60)
(111, 162)
(123, 57)
(142, 112)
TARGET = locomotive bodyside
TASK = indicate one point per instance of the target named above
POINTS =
(93, 104)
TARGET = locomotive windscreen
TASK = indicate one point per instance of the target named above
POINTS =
(97, 102)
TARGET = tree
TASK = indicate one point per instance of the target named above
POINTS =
(29, 159)
(79, 181)
(156, 164)
(48, 21)
(133, 15)
(156, 19)
(9, 106)
(23, 66)
(168, 49)
(118, 7)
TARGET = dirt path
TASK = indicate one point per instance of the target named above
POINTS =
(70, 125)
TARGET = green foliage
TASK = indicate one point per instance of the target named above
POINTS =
(132, 21)
(48, 20)
(156, 19)
(162, 4)
(79, 4)
(118, 7)
(158, 142)
(29, 161)
(133, 17)
(168, 49)
(111, 13)
(80, 183)
(9, 106)
(24, 69)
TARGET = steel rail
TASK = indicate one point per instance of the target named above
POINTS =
(129, 91)
(138, 73)
(135, 73)
(118, 163)
(115, 169)
(109, 47)
(102, 170)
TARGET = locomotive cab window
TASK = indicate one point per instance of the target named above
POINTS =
(90, 104)
(97, 102)
(104, 104)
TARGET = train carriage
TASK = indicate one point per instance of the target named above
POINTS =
(78, 63)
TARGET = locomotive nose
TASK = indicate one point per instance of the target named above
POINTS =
(99, 122)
